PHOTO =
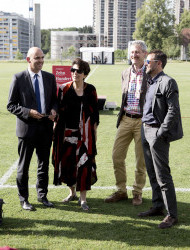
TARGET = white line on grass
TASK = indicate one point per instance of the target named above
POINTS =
(92, 72)
(8, 173)
(93, 187)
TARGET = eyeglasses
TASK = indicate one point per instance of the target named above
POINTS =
(148, 61)
(79, 71)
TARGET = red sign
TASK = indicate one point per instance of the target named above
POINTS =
(62, 74)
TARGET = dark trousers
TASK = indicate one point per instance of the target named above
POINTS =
(41, 141)
(156, 154)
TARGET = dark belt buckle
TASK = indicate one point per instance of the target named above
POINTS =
(152, 125)
(132, 116)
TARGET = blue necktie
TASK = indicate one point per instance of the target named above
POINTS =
(37, 92)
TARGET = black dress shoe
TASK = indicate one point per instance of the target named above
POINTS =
(152, 212)
(168, 222)
(27, 206)
(45, 202)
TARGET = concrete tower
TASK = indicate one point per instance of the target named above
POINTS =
(114, 21)
(37, 25)
(179, 6)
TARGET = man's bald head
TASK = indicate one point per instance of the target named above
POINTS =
(32, 51)
(35, 59)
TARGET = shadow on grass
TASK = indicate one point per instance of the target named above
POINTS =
(108, 112)
(116, 222)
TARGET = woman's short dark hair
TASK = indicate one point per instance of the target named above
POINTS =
(83, 65)
(159, 55)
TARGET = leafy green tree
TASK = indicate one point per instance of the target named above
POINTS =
(85, 29)
(71, 51)
(70, 29)
(183, 30)
(184, 22)
(120, 54)
(45, 40)
(155, 22)
(171, 47)
(65, 54)
(19, 55)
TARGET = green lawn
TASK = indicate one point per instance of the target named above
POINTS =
(106, 226)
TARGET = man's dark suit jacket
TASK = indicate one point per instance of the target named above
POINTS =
(22, 99)
(125, 86)
(166, 109)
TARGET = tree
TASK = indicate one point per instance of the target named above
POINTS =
(155, 22)
(45, 40)
(184, 22)
(71, 52)
(120, 54)
(70, 29)
(183, 30)
(85, 29)
(171, 47)
(19, 55)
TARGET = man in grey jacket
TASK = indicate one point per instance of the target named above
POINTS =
(161, 124)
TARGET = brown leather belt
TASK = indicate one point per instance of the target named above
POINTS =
(136, 116)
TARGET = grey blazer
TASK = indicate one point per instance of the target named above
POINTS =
(166, 109)
(22, 99)
(125, 86)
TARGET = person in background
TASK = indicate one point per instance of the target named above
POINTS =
(75, 136)
(161, 125)
(134, 85)
(32, 98)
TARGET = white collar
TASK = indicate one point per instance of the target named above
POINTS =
(32, 74)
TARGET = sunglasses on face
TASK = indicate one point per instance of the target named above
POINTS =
(148, 61)
(79, 71)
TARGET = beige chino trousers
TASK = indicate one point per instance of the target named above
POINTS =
(129, 129)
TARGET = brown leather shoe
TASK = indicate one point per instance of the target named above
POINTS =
(117, 196)
(167, 222)
(152, 212)
(137, 200)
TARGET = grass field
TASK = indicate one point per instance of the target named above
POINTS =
(105, 226)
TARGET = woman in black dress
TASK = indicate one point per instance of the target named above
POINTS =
(74, 146)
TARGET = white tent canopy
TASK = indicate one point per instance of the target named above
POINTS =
(97, 55)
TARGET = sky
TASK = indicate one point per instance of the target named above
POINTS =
(55, 13)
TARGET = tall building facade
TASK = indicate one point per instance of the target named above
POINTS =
(114, 21)
(62, 40)
(179, 6)
(15, 33)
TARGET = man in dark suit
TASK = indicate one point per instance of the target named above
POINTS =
(32, 98)
(161, 125)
